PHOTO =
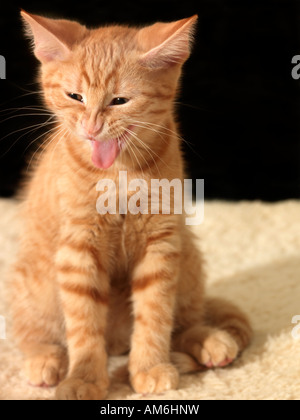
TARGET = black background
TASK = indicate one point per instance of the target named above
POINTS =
(239, 103)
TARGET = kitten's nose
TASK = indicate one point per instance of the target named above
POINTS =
(92, 126)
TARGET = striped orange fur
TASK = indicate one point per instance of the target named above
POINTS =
(87, 285)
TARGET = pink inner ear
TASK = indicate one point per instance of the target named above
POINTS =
(53, 38)
(167, 55)
(168, 44)
(49, 52)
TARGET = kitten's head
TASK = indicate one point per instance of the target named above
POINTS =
(113, 86)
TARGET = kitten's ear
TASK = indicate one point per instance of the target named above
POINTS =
(167, 43)
(52, 38)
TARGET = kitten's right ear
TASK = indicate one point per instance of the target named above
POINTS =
(52, 38)
(167, 44)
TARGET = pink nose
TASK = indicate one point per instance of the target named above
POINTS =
(92, 128)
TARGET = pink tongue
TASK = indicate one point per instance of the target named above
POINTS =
(105, 153)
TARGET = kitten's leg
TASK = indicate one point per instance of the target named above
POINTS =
(37, 326)
(154, 286)
(84, 291)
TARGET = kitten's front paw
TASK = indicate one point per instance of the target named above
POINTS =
(77, 389)
(159, 379)
(47, 368)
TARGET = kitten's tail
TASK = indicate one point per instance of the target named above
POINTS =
(186, 363)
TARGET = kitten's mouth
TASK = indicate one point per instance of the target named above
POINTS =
(104, 153)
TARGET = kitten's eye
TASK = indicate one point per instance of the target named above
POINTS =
(75, 96)
(118, 101)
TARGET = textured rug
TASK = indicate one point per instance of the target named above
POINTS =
(252, 253)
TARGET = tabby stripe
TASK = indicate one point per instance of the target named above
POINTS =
(85, 341)
(148, 164)
(231, 320)
(78, 316)
(159, 237)
(77, 158)
(156, 307)
(142, 283)
(90, 249)
(240, 326)
(43, 258)
(150, 342)
(78, 331)
(86, 291)
(109, 77)
(158, 111)
(164, 145)
(70, 269)
(171, 256)
(65, 106)
(241, 334)
(21, 270)
(156, 320)
(84, 222)
(86, 77)
(51, 85)
(158, 95)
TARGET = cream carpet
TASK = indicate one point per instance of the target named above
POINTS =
(253, 257)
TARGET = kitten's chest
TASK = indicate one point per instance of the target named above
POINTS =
(128, 242)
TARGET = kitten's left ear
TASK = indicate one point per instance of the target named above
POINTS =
(52, 38)
(167, 43)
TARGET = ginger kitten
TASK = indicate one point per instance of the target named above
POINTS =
(87, 285)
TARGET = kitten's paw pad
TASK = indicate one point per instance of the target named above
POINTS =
(46, 370)
(160, 378)
(218, 350)
(77, 389)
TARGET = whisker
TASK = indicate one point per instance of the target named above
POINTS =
(26, 115)
(29, 108)
(129, 143)
(31, 126)
(48, 139)
(148, 149)
(125, 136)
(144, 159)
(146, 124)
(37, 126)
(191, 106)
(61, 133)
(43, 134)
(162, 127)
